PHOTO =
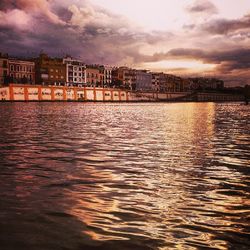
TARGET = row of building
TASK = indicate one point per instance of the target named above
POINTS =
(45, 70)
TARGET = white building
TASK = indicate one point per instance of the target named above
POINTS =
(105, 75)
(75, 71)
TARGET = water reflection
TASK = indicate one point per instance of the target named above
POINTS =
(124, 176)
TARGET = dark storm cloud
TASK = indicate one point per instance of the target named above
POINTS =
(93, 34)
(79, 32)
(226, 60)
(7, 4)
(223, 26)
(238, 55)
(201, 6)
(28, 5)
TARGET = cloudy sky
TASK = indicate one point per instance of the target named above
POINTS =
(184, 37)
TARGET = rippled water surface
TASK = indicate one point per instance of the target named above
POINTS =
(124, 176)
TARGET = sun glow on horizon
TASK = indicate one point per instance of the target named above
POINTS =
(180, 65)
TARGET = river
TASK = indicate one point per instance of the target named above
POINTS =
(124, 176)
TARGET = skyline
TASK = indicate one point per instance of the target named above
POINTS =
(193, 37)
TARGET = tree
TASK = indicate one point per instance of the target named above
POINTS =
(117, 83)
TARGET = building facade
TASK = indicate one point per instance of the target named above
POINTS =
(108, 75)
(92, 76)
(158, 81)
(67, 71)
(101, 75)
(202, 83)
(126, 77)
(172, 83)
(75, 72)
(143, 80)
(105, 75)
(130, 79)
(21, 71)
(50, 71)
(4, 68)
(162, 82)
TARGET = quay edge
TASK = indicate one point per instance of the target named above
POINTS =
(18, 92)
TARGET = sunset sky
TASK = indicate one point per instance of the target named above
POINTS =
(184, 37)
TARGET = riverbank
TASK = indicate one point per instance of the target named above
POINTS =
(17, 92)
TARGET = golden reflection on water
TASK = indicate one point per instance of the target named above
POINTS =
(164, 189)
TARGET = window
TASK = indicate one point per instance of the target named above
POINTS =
(80, 74)
(56, 70)
(51, 76)
(51, 70)
(12, 67)
(5, 64)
